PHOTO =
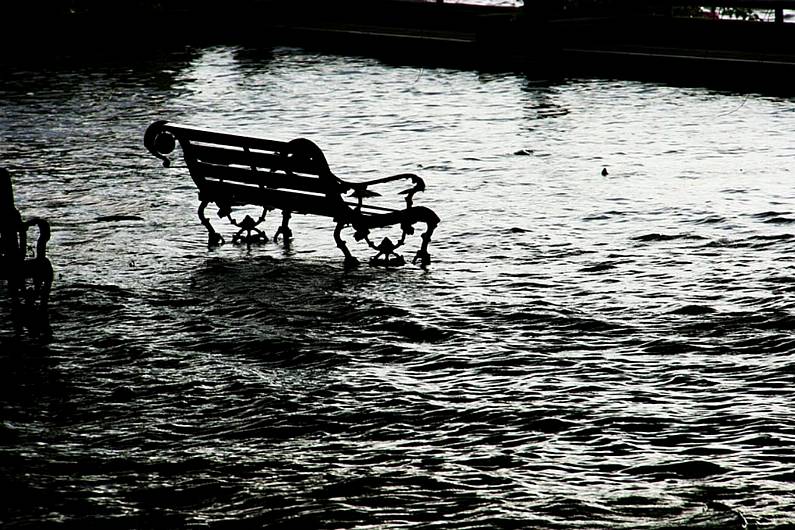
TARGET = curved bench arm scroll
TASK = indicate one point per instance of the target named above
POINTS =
(159, 141)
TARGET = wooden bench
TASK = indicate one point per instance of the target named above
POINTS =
(27, 271)
(232, 170)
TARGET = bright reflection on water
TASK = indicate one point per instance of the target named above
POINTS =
(586, 351)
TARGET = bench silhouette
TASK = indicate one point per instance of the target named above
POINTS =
(232, 170)
(27, 271)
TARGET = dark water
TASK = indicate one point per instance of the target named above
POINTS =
(586, 351)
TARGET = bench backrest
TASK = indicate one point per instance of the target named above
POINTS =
(231, 169)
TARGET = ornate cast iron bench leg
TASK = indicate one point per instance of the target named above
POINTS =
(214, 238)
(284, 229)
(350, 260)
(386, 256)
(431, 221)
(423, 256)
(249, 225)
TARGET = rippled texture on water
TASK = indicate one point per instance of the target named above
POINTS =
(586, 351)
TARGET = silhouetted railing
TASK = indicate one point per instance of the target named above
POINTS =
(611, 7)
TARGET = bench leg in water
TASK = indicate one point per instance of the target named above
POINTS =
(284, 229)
(244, 235)
(40, 272)
(386, 256)
(214, 238)
(247, 226)
(423, 256)
(24, 294)
(350, 260)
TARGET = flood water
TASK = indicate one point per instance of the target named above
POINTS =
(585, 351)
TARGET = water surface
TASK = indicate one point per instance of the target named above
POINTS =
(585, 351)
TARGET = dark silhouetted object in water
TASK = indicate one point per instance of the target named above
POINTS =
(232, 170)
(16, 266)
(604, 172)
(386, 256)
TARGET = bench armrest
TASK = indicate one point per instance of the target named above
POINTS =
(360, 190)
